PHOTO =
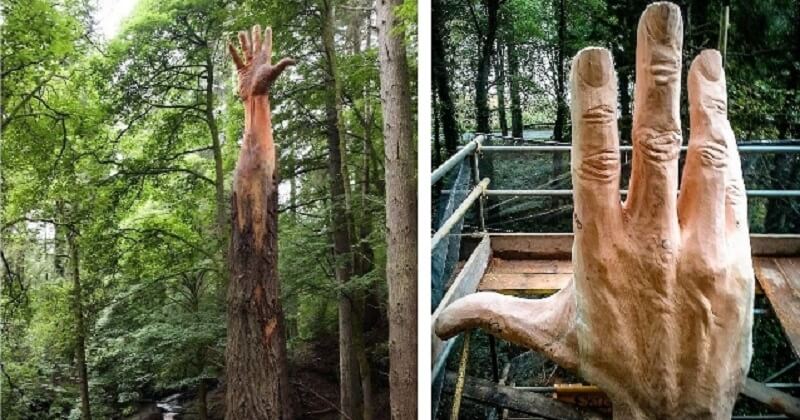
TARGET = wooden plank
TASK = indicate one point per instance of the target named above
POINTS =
(774, 399)
(524, 283)
(780, 280)
(516, 246)
(776, 245)
(559, 245)
(526, 402)
(466, 282)
(503, 266)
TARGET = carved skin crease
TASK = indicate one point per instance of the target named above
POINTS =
(662, 309)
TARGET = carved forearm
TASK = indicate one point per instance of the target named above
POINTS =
(257, 122)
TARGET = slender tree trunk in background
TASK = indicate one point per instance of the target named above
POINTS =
(80, 328)
(202, 406)
(401, 213)
(500, 84)
(340, 221)
(292, 183)
(561, 105)
(775, 220)
(484, 62)
(216, 147)
(360, 351)
(516, 103)
(437, 130)
(364, 262)
(447, 110)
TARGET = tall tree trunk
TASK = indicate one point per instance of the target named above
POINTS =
(202, 406)
(437, 130)
(80, 329)
(500, 84)
(363, 262)
(340, 221)
(561, 106)
(484, 62)
(216, 147)
(360, 351)
(401, 213)
(516, 103)
(255, 359)
(441, 76)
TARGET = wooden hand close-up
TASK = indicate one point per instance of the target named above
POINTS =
(659, 311)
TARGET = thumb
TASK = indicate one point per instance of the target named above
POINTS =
(277, 69)
(543, 325)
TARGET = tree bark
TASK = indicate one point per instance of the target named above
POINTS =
(516, 103)
(441, 76)
(561, 106)
(255, 360)
(484, 61)
(80, 329)
(363, 261)
(202, 407)
(500, 85)
(561, 110)
(437, 129)
(216, 147)
(401, 213)
(340, 221)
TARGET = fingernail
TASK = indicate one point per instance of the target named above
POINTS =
(594, 66)
(710, 62)
(664, 20)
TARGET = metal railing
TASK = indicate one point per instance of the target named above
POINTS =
(475, 148)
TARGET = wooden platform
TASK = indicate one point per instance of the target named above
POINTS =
(780, 279)
(526, 277)
(539, 265)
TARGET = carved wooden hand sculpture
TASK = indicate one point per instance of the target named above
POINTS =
(659, 311)
(255, 359)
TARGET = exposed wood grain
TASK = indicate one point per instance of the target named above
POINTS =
(502, 266)
(780, 280)
(465, 283)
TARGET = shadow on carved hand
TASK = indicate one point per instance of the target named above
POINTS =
(659, 311)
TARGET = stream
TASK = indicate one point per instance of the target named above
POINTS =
(170, 407)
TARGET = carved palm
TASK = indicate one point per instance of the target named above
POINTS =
(256, 72)
(659, 311)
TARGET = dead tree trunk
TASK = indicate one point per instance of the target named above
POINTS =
(255, 359)
(401, 213)
(80, 328)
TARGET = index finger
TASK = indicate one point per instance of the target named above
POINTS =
(595, 152)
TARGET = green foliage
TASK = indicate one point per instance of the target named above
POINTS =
(126, 143)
